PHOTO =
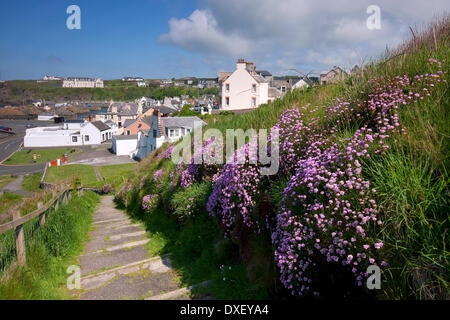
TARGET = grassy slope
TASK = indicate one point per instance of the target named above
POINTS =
(62, 173)
(4, 180)
(15, 90)
(32, 182)
(44, 155)
(53, 249)
(411, 179)
(8, 200)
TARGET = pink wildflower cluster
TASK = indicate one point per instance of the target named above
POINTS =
(121, 195)
(157, 177)
(168, 153)
(193, 171)
(235, 190)
(149, 202)
(174, 174)
(142, 182)
(327, 206)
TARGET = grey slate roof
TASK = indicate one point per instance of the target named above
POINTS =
(125, 109)
(264, 73)
(100, 125)
(182, 122)
(129, 122)
(126, 137)
(165, 109)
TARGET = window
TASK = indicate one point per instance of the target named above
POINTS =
(227, 101)
(103, 137)
(177, 132)
(120, 124)
(254, 88)
(171, 133)
(128, 132)
(86, 138)
(283, 89)
(253, 102)
(227, 87)
(188, 130)
(154, 133)
(74, 139)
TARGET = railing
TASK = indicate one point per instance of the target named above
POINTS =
(17, 239)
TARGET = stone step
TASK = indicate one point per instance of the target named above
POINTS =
(123, 228)
(123, 245)
(104, 242)
(138, 285)
(178, 294)
(100, 261)
(153, 265)
(111, 221)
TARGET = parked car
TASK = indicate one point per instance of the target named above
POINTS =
(5, 128)
(30, 125)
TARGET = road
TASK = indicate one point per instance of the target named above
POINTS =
(11, 143)
(21, 170)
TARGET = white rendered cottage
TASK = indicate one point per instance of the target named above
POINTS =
(242, 89)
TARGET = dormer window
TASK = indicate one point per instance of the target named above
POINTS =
(254, 88)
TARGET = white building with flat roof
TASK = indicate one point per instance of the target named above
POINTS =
(72, 133)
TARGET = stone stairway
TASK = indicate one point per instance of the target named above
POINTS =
(115, 264)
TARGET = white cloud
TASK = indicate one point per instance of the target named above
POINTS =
(200, 33)
(300, 34)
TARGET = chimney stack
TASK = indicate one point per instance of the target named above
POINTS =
(240, 64)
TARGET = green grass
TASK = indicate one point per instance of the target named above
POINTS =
(8, 200)
(115, 175)
(416, 224)
(24, 157)
(59, 174)
(53, 249)
(32, 182)
(5, 180)
(112, 171)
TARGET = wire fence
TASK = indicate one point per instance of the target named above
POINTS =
(32, 234)
(7, 249)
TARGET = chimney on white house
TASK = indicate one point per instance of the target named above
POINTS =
(241, 64)
(250, 66)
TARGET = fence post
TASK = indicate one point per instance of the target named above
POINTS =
(42, 215)
(20, 242)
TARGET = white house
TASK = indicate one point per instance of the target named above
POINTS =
(72, 133)
(242, 89)
(124, 145)
(46, 116)
(302, 84)
(164, 129)
(141, 83)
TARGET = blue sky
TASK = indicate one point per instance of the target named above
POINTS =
(171, 38)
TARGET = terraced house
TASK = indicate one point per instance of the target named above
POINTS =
(119, 112)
